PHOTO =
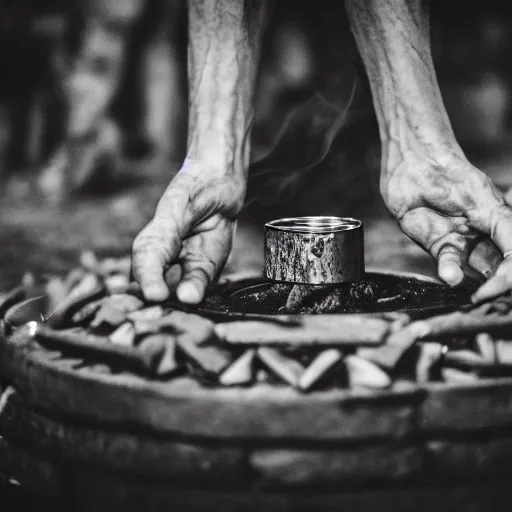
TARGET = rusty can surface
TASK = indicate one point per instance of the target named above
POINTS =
(314, 250)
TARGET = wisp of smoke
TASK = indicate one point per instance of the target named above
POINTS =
(311, 148)
(302, 144)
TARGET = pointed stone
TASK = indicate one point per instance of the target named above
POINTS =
(162, 350)
(108, 314)
(124, 335)
(486, 346)
(366, 374)
(86, 313)
(88, 290)
(146, 314)
(198, 327)
(211, 359)
(430, 354)
(397, 344)
(87, 285)
(324, 362)
(287, 369)
(241, 371)
(504, 352)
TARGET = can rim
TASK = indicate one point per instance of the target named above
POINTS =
(321, 224)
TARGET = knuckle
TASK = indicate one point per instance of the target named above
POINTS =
(200, 275)
(152, 236)
(201, 265)
(500, 214)
(147, 250)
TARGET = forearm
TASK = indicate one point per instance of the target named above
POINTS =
(223, 55)
(393, 38)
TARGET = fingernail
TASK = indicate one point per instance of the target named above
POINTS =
(188, 293)
(451, 274)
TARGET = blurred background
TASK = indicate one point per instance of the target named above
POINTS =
(93, 113)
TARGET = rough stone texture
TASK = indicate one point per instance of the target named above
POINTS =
(487, 456)
(119, 451)
(97, 491)
(335, 466)
(314, 330)
(465, 407)
(183, 406)
(397, 344)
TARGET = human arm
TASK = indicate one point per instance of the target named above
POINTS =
(439, 198)
(192, 229)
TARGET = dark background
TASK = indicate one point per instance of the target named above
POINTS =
(315, 144)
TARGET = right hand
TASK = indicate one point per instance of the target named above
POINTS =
(187, 243)
(453, 210)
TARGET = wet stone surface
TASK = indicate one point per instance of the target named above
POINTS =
(377, 293)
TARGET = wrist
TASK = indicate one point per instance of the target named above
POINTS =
(225, 155)
(407, 140)
(220, 138)
(200, 176)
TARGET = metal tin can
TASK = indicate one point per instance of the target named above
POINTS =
(314, 250)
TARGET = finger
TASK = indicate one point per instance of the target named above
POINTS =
(449, 265)
(485, 258)
(497, 221)
(433, 231)
(442, 237)
(203, 257)
(493, 216)
(172, 276)
(498, 284)
(508, 196)
(153, 249)
(501, 228)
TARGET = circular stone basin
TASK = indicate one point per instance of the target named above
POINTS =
(379, 292)
(107, 438)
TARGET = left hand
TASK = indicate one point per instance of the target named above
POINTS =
(454, 212)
